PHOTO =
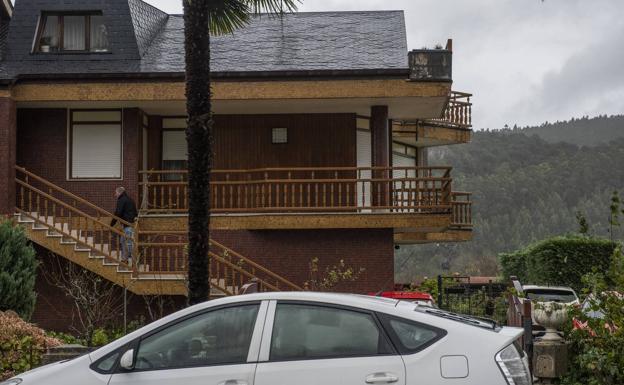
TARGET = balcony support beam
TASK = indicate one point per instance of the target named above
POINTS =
(380, 142)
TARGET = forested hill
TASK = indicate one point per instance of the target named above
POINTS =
(584, 131)
(525, 189)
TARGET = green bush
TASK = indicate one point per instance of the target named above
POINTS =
(21, 345)
(597, 344)
(18, 266)
(514, 264)
(559, 261)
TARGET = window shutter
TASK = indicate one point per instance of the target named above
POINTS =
(96, 151)
(399, 160)
(364, 159)
(174, 145)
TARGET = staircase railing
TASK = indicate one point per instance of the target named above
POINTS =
(166, 254)
(66, 214)
(66, 196)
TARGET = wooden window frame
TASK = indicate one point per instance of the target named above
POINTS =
(43, 20)
(70, 142)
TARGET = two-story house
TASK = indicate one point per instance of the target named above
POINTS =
(323, 121)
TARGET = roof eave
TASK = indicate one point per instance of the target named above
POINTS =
(246, 75)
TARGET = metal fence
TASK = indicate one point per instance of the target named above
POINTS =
(471, 296)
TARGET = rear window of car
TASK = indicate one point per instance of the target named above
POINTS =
(410, 336)
(551, 295)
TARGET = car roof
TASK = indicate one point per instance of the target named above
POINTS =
(355, 300)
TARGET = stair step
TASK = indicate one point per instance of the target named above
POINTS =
(163, 277)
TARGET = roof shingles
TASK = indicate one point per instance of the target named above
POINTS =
(314, 41)
(296, 42)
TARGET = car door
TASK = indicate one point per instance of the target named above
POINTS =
(308, 343)
(216, 347)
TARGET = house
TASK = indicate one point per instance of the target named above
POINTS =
(323, 121)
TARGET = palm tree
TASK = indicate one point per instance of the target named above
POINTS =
(201, 19)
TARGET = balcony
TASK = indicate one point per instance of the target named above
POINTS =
(454, 126)
(416, 198)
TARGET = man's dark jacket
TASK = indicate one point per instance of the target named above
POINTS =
(126, 209)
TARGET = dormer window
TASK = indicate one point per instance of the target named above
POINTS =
(71, 32)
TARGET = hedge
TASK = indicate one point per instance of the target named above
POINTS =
(558, 261)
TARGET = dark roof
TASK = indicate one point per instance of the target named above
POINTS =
(297, 42)
(146, 41)
(148, 21)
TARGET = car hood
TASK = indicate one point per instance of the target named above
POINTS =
(73, 371)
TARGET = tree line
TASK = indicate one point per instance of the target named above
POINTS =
(528, 184)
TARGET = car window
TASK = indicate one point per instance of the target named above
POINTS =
(309, 332)
(410, 336)
(220, 336)
(551, 295)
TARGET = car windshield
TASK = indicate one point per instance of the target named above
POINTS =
(548, 295)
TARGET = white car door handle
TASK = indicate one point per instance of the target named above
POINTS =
(233, 382)
(381, 378)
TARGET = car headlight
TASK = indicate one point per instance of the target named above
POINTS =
(12, 381)
(512, 365)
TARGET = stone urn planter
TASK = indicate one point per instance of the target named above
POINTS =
(550, 315)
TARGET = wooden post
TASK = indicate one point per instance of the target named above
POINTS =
(380, 143)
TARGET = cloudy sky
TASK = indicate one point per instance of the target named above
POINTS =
(526, 61)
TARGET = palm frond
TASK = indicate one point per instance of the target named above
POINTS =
(226, 16)
(275, 7)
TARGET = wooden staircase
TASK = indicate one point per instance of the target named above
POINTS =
(79, 231)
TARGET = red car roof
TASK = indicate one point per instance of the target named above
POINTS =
(415, 295)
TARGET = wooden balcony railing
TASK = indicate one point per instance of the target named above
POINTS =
(462, 210)
(458, 112)
(304, 190)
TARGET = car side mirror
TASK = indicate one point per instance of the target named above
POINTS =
(127, 360)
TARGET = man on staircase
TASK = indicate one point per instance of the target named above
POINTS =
(126, 210)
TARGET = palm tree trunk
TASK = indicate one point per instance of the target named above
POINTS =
(199, 137)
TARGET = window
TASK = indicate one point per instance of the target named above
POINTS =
(410, 336)
(174, 152)
(95, 144)
(279, 135)
(218, 337)
(308, 332)
(72, 33)
(107, 364)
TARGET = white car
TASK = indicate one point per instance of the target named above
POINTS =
(304, 339)
(560, 294)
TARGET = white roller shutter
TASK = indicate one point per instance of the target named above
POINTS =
(174, 145)
(403, 188)
(399, 160)
(364, 159)
(96, 151)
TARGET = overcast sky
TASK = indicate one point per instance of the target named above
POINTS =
(526, 61)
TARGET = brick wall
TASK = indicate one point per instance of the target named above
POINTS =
(55, 311)
(42, 149)
(7, 156)
(288, 253)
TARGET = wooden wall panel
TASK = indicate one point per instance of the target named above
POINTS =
(314, 140)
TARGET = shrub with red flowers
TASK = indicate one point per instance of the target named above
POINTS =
(596, 336)
(21, 345)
